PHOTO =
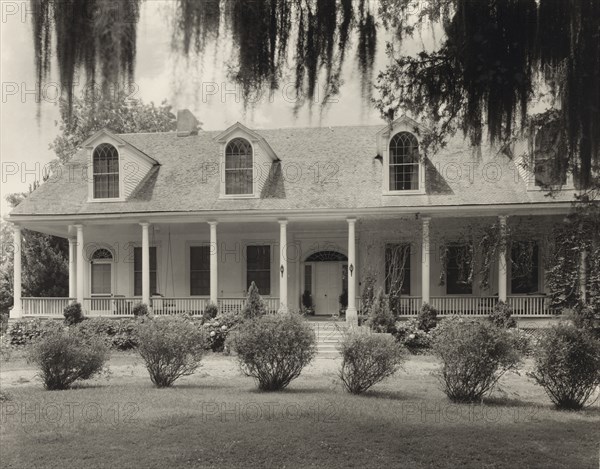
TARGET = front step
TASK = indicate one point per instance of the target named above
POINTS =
(328, 335)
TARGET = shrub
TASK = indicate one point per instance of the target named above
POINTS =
(140, 310)
(474, 355)
(567, 365)
(255, 306)
(171, 347)
(64, 356)
(219, 328)
(26, 331)
(210, 312)
(410, 336)
(380, 318)
(343, 300)
(367, 359)
(3, 323)
(368, 293)
(427, 318)
(73, 314)
(120, 334)
(4, 396)
(585, 317)
(307, 303)
(274, 349)
(501, 316)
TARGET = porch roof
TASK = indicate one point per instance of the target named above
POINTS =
(324, 168)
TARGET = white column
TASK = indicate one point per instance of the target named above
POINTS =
(283, 267)
(214, 264)
(72, 268)
(351, 312)
(425, 262)
(145, 264)
(502, 262)
(17, 309)
(80, 265)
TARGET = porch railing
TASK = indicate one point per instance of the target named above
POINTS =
(45, 306)
(237, 304)
(530, 305)
(464, 305)
(167, 306)
(110, 306)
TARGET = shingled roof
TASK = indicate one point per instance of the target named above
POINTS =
(319, 168)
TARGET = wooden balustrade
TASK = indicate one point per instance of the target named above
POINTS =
(464, 305)
(530, 305)
(51, 307)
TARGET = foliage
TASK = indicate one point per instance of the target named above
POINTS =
(254, 306)
(427, 318)
(474, 355)
(501, 315)
(171, 347)
(3, 323)
(367, 359)
(487, 68)
(64, 356)
(274, 349)
(307, 303)
(73, 314)
(4, 396)
(220, 327)
(210, 312)
(119, 112)
(416, 340)
(585, 317)
(26, 331)
(343, 300)
(368, 293)
(380, 318)
(567, 366)
(140, 310)
(120, 334)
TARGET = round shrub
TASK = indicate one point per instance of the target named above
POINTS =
(219, 328)
(171, 347)
(210, 312)
(367, 359)
(73, 314)
(274, 349)
(408, 334)
(380, 317)
(474, 355)
(427, 318)
(140, 310)
(501, 316)
(567, 366)
(64, 356)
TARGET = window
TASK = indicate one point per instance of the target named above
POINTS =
(404, 162)
(549, 167)
(238, 167)
(200, 270)
(397, 268)
(459, 259)
(524, 268)
(258, 268)
(101, 272)
(106, 172)
(137, 271)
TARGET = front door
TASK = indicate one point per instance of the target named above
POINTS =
(328, 287)
(101, 287)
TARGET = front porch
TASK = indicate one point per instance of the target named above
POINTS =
(175, 266)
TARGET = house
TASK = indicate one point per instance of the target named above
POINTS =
(180, 219)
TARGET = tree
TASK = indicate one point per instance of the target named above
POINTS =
(119, 113)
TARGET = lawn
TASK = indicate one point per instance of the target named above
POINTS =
(216, 418)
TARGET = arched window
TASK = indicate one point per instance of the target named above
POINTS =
(404, 162)
(238, 167)
(106, 172)
(101, 281)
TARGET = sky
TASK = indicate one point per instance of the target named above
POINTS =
(160, 74)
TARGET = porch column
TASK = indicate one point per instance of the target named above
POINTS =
(80, 265)
(145, 264)
(351, 312)
(72, 268)
(502, 266)
(283, 277)
(425, 261)
(214, 264)
(17, 309)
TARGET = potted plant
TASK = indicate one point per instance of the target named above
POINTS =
(343, 302)
(307, 303)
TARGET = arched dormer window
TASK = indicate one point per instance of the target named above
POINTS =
(239, 178)
(106, 172)
(404, 163)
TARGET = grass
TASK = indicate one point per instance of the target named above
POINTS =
(217, 418)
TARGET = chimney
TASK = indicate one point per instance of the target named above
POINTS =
(187, 124)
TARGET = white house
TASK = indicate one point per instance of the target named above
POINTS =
(180, 219)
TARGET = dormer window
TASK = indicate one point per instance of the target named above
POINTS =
(106, 172)
(404, 162)
(239, 178)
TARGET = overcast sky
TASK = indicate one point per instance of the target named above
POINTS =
(160, 75)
